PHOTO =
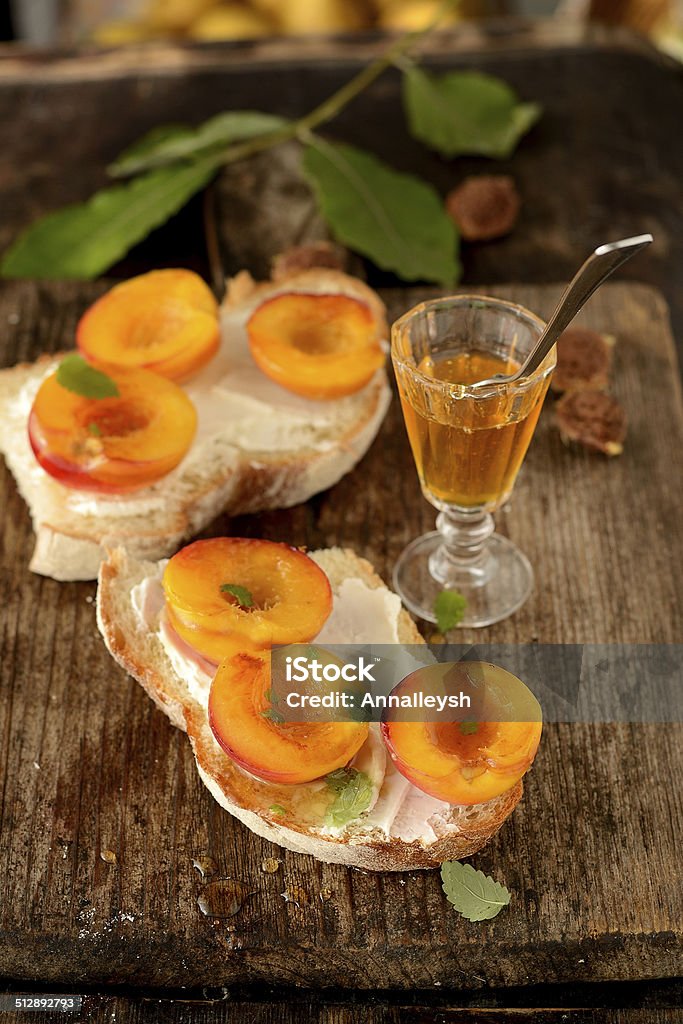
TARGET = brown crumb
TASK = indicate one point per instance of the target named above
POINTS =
(584, 361)
(592, 419)
(485, 206)
(238, 288)
(304, 257)
(270, 865)
(108, 856)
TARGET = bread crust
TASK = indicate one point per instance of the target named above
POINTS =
(459, 834)
(70, 545)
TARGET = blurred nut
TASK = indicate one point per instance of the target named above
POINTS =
(412, 15)
(175, 15)
(120, 33)
(310, 17)
(592, 419)
(303, 257)
(230, 21)
(484, 207)
(584, 360)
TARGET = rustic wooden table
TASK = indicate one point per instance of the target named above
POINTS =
(605, 907)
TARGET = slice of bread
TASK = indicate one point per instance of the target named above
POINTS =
(453, 832)
(257, 446)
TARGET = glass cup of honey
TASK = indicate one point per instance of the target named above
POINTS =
(468, 444)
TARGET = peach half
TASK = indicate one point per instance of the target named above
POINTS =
(285, 597)
(318, 346)
(165, 321)
(114, 444)
(241, 719)
(472, 761)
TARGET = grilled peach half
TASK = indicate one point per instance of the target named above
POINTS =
(165, 321)
(114, 444)
(239, 590)
(466, 762)
(242, 720)
(319, 346)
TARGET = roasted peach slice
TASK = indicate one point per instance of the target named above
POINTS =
(466, 762)
(165, 321)
(264, 592)
(113, 444)
(241, 718)
(318, 346)
(215, 647)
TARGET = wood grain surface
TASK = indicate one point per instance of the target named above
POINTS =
(105, 1010)
(103, 816)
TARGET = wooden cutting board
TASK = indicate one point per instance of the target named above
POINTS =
(103, 817)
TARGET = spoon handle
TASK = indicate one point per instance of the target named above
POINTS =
(599, 265)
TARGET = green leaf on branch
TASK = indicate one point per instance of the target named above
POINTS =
(171, 143)
(466, 112)
(394, 218)
(84, 240)
(476, 896)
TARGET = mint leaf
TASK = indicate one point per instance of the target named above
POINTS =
(395, 219)
(476, 896)
(273, 716)
(449, 608)
(465, 112)
(469, 728)
(82, 241)
(179, 142)
(75, 374)
(352, 793)
(277, 809)
(241, 594)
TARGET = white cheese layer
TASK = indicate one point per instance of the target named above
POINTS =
(360, 614)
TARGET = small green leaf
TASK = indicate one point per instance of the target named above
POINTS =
(352, 793)
(449, 608)
(273, 716)
(243, 596)
(476, 896)
(94, 429)
(395, 219)
(84, 240)
(469, 728)
(466, 112)
(170, 143)
(277, 809)
(74, 374)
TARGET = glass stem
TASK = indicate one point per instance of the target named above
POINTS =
(463, 556)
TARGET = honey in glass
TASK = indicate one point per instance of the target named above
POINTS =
(468, 450)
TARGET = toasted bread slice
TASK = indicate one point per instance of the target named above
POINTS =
(262, 448)
(449, 832)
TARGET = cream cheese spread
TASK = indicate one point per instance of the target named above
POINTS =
(360, 614)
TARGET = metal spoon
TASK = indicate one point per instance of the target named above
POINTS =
(599, 265)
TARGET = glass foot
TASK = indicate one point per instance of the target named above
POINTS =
(495, 588)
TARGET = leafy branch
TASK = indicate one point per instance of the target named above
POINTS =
(393, 218)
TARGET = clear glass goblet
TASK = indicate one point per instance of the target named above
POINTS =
(468, 444)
